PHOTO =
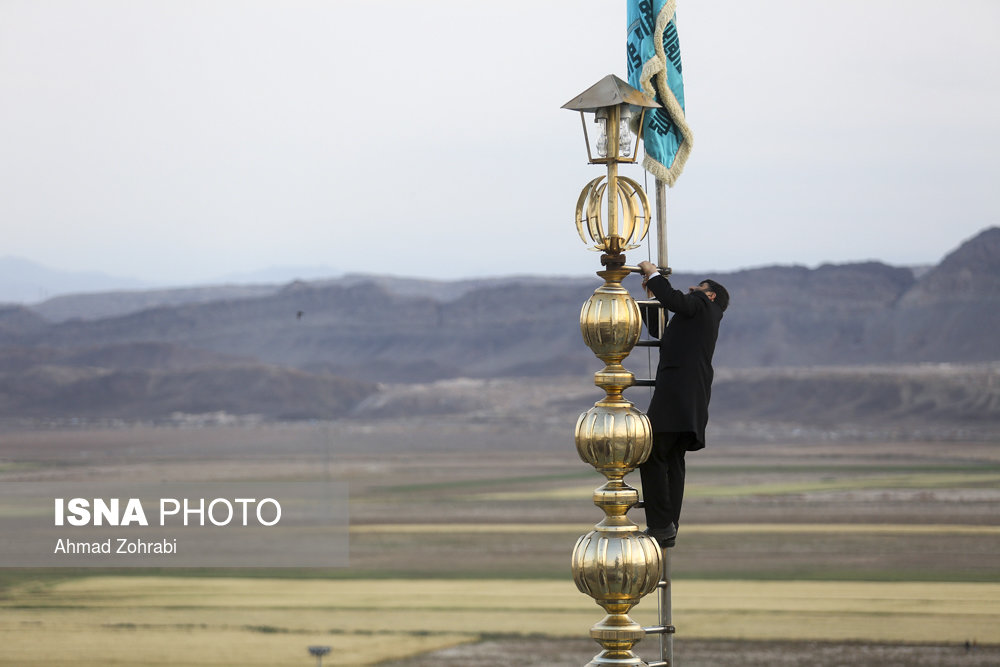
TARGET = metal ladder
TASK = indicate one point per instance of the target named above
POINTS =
(665, 630)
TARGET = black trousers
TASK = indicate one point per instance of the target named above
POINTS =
(662, 478)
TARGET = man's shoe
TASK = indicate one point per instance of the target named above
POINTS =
(665, 537)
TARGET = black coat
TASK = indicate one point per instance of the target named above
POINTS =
(684, 373)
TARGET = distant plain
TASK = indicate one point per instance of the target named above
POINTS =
(461, 530)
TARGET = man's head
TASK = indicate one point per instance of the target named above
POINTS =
(713, 291)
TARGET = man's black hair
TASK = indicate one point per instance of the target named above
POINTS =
(721, 295)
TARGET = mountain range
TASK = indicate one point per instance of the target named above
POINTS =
(320, 348)
(24, 281)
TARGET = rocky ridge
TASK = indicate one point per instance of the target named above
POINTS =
(318, 349)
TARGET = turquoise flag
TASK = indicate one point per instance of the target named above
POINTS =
(653, 56)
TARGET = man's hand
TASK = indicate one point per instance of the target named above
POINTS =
(648, 269)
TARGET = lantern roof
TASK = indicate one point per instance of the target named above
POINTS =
(610, 91)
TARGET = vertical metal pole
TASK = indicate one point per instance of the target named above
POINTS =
(614, 118)
(661, 224)
(667, 638)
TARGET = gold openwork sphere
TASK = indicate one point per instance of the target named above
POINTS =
(632, 205)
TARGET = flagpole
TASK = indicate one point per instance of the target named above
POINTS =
(661, 224)
(665, 607)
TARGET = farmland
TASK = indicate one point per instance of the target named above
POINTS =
(460, 541)
(229, 621)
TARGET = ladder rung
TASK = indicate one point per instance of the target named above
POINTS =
(660, 630)
(650, 303)
(644, 383)
(648, 342)
(658, 663)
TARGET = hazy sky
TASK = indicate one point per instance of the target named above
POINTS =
(180, 140)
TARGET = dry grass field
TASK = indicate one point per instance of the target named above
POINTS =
(881, 552)
(236, 621)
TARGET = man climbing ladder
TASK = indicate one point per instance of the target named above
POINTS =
(678, 411)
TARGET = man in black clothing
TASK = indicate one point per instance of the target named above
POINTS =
(678, 411)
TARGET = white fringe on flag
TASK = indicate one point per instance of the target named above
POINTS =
(654, 82)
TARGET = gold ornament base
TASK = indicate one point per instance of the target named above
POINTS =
(616, 563)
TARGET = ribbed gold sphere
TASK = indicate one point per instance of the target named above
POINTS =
(610, 322)
(614, 437)
(616, 567)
